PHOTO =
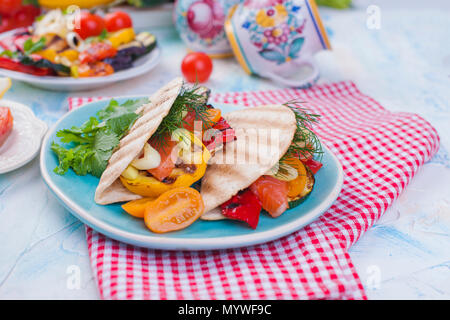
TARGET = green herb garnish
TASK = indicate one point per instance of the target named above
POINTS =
(91, 145)
(102, 36)
(30, 47)
(9, 54)
(189, 100)
(305, 142)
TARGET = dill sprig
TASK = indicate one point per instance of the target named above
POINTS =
(190, 99)
(305, 142)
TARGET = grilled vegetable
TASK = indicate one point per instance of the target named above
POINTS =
(310, 181)
(121, 37)
(144, 3)
(9, 64)
(147, 39)
(45, 64)
(127, 53)
(66, 3)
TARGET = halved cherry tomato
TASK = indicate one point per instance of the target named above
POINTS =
(174, 210)
(89, 25)
(137, 207)
(166, 165)
(196, 67)
(296, 186)
(117, 20)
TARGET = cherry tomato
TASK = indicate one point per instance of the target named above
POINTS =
(9, 7)
(174, 210)
(6, 23)
(26, 16)
(117, 20)
(136, 208)
(89, 25)
(197, 67)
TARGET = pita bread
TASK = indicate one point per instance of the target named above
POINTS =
(110, 189)
(274, 126)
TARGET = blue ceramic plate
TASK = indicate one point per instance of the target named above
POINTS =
(76, 193)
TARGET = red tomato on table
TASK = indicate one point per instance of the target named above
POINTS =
(197, 67)
(117, 20)
(6, 124)
(89, 25)
(9, 7)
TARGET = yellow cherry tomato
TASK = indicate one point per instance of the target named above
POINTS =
(174, 210)
(136, 208)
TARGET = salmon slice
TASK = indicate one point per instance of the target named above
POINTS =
(273, 194)
(166, 166)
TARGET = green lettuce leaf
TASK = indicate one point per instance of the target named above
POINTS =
(87, 148)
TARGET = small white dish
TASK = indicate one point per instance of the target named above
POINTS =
(24, 142)
(142, 65)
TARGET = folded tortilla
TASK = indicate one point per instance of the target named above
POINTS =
(110, 189)
(234, 168)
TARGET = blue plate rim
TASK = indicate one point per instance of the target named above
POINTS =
(190, 244)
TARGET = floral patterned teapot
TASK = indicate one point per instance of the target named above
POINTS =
(200, 25)
(277, 39)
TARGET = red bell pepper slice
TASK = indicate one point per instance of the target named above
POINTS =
(244, 206)
(9, 64)
(313, 165)
(97, 52)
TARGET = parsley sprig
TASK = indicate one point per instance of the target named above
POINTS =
(29, 47)
(305, 142)
(88, 147)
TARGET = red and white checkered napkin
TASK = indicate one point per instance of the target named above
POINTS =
(380, 152)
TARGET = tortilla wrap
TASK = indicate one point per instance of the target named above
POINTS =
(223, 180)
(110, 189)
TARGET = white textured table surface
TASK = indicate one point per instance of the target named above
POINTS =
(405, 65)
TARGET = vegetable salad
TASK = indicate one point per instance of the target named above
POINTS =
(76, 45)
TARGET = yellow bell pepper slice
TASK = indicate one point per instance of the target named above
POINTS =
(70, 54)
(148, 186)
(121, 37)
(48, 54)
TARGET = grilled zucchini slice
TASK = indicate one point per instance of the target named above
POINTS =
(147, 39)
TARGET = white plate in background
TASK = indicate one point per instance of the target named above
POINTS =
(24, 142)
(142, 65)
